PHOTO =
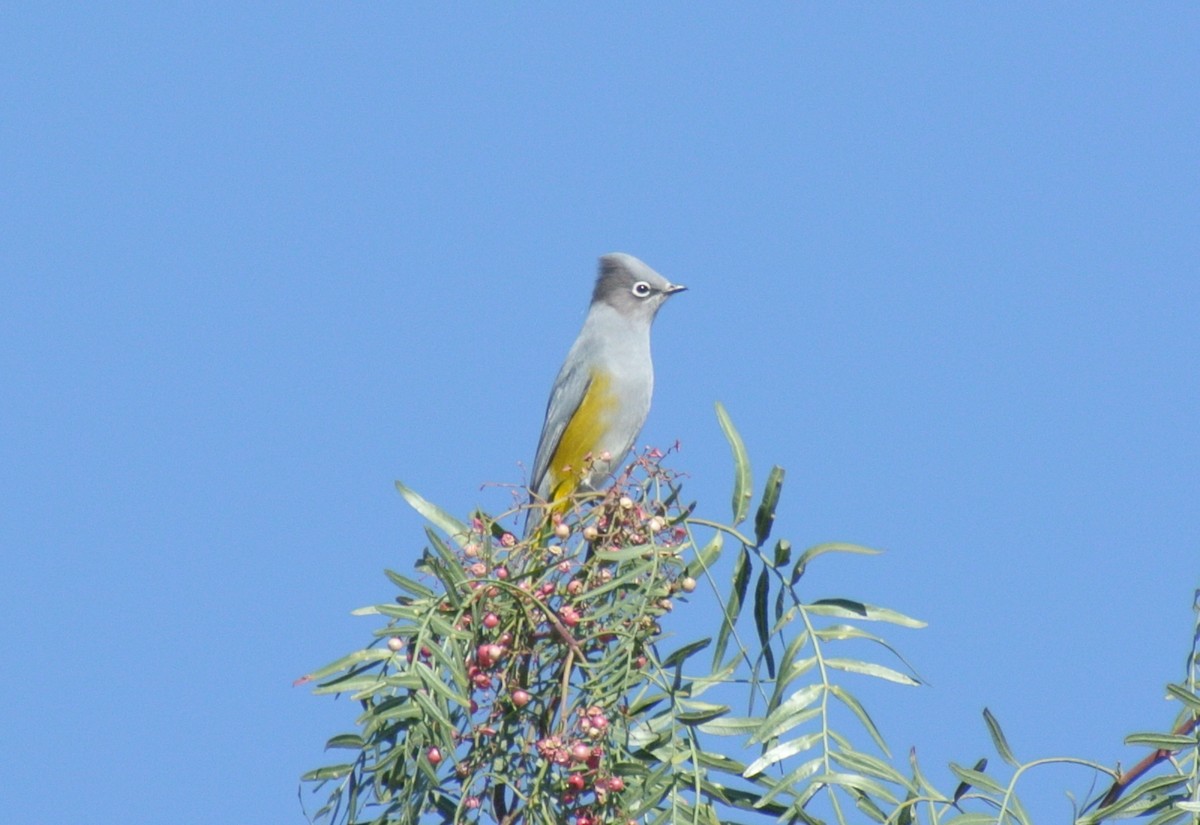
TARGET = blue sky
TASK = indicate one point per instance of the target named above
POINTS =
(261, 260)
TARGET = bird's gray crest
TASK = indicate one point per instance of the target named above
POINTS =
(619, 272)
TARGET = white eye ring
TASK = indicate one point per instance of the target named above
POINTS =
(642, 289)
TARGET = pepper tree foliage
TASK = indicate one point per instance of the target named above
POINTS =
(529, 681)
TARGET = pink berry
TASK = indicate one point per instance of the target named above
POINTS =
(491, 620)
(520, 698)
(434, 755)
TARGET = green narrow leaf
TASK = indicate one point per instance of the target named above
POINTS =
(351, 741)
(431, 709)
(871, 669)
(437, 684)
(701, 716)
(781, 752)
(733, 608)
(838, 632)
(741, 469)
(850, 609)
(452, 574)
(395, 611)
(790, 713)
(404, 583)
(1161, 741)
(642, 705)
(1136, 798)
(371, 654)
(973, 818)
(787, 667)
(331, 772)
(762, 600)
(355, 685)
(765, 517)
(1177, 814)
(708, 815)
(791, 781)
(857, 782)
(435, 515)
(973, 777)
(1184, 695)
(705, 559)
(866, 804)
(779, 600)
(866, 764)
(849, 700)
(998, 739)
(923, 785)
(829, 547)
(684, 652)
(731, 725)
(783, 552)
(720, 762)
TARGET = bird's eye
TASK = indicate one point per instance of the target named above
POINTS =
(642, 289)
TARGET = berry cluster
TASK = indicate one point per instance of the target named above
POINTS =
(552, 633)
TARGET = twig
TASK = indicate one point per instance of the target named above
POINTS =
(1137, 771)
(566, 686)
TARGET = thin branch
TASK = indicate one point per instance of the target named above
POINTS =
(1141, 768)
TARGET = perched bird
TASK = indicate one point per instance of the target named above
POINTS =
(601, 396)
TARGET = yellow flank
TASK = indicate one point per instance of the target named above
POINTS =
(580, 438)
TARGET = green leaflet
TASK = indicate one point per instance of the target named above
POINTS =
(742, 492)
(765, 517)
(435, 515)
(998, 738)
(850, 609)
(733, 606)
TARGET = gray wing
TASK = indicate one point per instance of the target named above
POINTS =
(569, 389)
